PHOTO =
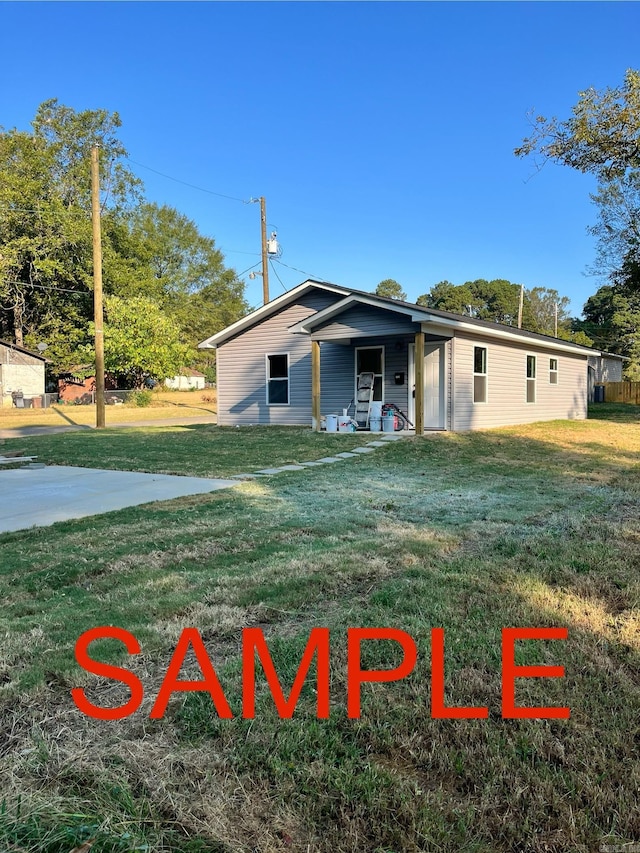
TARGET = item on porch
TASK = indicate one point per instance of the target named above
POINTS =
(388, 422)
(364, 398)
(332, 423)
(346, 424)
(375, 424)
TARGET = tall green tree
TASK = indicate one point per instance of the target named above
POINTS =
(390, 289)
(612, 316)
(45, 204)
(149, 251)
(602, 137)
(140, 341)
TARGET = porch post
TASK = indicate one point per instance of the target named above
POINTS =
(315, 385)
(419, 378)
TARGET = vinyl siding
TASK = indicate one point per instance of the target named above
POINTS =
(506, 384)
(365, 321)
(241, 369)
(606, 369)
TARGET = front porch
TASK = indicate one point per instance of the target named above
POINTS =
(410, 374)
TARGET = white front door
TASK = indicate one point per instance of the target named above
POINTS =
(433, 385)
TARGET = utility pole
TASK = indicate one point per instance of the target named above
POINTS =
(555, 321)
(265, 256)
(520, 307)
(97, 286)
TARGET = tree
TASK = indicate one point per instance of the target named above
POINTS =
(612, 316)
(390, 289)
(152, 251)
(45, 203)
(495, 300)
(601, 138)
(543, 308)
(159, 253)
(140, 341)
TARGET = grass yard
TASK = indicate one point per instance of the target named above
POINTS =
(533, 526)
(164, 404)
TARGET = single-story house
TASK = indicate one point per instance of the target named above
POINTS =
(604, 367)
(186, 380)
(21, 372)
(299, 357)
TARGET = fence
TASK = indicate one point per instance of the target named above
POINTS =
(622, 392)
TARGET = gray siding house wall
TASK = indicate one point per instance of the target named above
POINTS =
(507, 384)
(241, 367)
(606, 368)
(342, 321)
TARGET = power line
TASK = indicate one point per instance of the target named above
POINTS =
(39, 210)
(247, 269)
(304, 272)
(276, 275)
(187, 184)
(47, 287)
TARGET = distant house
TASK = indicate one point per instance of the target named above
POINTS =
(299, 357)
(21, 373)
(186, 380)
(604, 367)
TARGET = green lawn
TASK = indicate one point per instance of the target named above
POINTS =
(528, 526)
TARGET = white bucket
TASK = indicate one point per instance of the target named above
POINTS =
(375, 410)
(375, 424)
(332, 423)
(388, 422)
(344, 424)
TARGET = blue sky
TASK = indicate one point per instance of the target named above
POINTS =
(381, 134)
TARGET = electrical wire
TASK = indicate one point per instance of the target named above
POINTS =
(275, 271)
(187, 184)
(85, 213)
(48, 287)
(304, 272)
(247, 270)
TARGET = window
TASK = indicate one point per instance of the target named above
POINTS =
(531, 379)
(553, 371)
(371, 360)
(278, 380)
(479, 374)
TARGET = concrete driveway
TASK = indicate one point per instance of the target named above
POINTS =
(42, 496)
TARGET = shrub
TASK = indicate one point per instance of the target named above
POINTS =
(140, 398)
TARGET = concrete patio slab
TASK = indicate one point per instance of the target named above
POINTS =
(43, 496)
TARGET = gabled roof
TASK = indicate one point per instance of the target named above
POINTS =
(15, 347)
(268, 309)
(415, 313)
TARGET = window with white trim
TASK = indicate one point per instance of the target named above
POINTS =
(278, 379)
(553, 371)
(479, 374)
(531, 379)
(371, 360)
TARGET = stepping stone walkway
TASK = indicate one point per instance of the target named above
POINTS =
(370, 447)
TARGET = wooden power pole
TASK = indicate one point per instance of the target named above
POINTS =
(97, 286)
(520, 306)
(265, 255)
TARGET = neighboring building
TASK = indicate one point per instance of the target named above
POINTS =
(21, 372)
(298, 358)
(72, 388)
(186, 380)
(604, 367)
(75, 386)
